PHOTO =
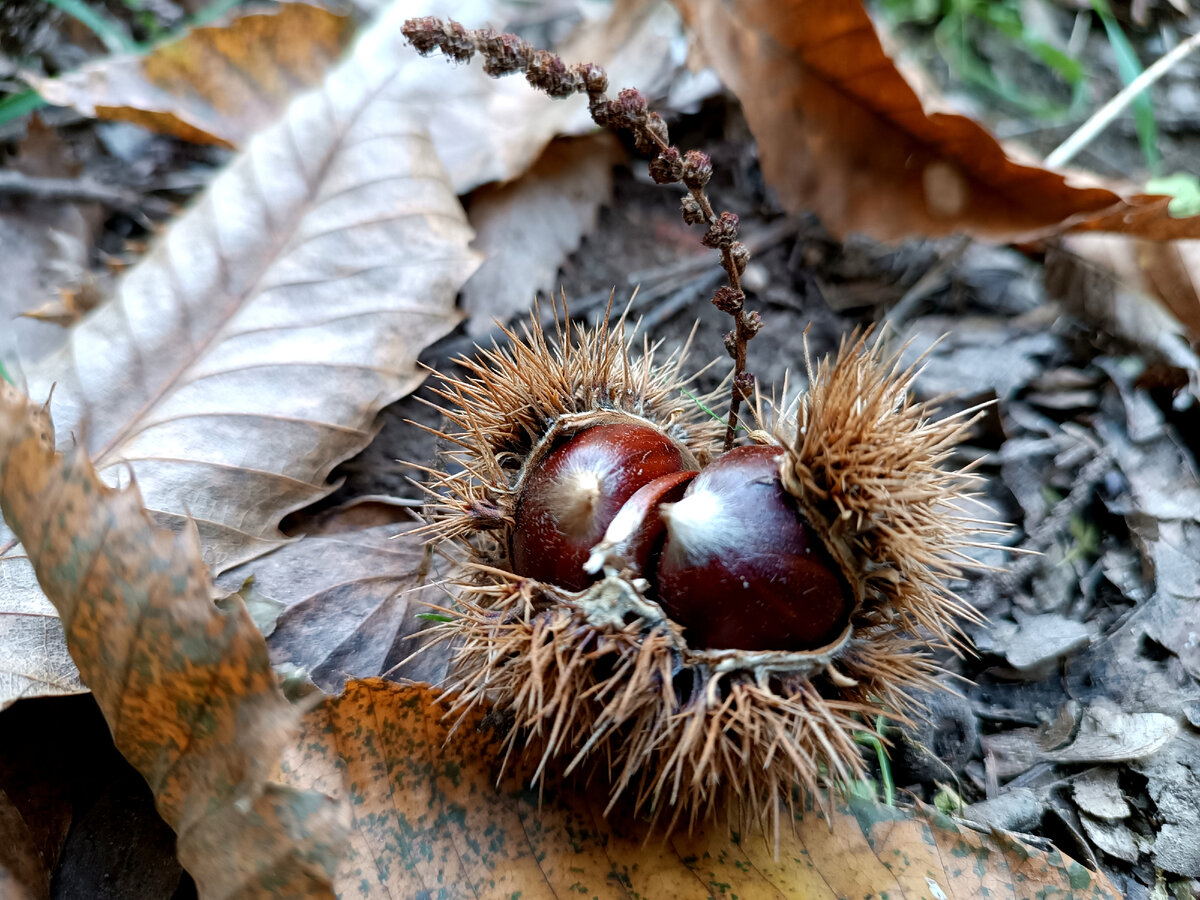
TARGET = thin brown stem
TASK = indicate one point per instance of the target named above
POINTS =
(506, 54)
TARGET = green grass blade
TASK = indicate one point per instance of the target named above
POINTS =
(111, 32)
(16, 105)
(1129, 67)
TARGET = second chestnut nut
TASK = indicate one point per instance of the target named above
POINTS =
(741, 568)
(726, 551)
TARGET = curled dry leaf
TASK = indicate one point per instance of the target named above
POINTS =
(250, 351)
(1165, 271)
(186, 686)
(1101, 279)
(349, 604)
(842, 133)
(429, 817)
(215, 85)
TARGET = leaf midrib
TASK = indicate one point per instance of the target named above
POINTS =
(277, 245)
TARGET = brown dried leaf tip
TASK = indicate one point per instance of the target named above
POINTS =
(601, 678)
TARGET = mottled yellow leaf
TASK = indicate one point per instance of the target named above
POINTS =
(430, 816)
(214, 85)
(185, 685)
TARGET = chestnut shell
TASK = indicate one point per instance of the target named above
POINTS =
(741, 567)
(572, 494)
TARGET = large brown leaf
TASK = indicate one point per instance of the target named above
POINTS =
(250, 351)
(842, 133)
(185, 685)
(429, 819)
(215, 85)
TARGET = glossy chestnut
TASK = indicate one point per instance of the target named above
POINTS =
(741, 567)
(633, 541)
(572, 494)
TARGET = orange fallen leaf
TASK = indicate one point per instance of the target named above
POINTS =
(842, 133)
(429, 818)
(185, 684)
(215, 85)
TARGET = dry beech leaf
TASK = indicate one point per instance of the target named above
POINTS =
(526, 228)
(250, 351)
(841, 133)
(215, 85)
(185, 685)
(1099, 277)
(1167, 271)
(430, 819)
(348, 604)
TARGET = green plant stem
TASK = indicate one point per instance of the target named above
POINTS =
(1129, 67)
(111, 32)
(712, 413)
(16, 105)
(872, 739)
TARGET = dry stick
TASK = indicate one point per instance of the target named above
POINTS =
(1100, 119)
(506, 54)
(77, 189)
(933, 278)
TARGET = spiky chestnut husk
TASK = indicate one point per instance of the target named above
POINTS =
(603, 677)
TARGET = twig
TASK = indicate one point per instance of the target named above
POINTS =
(676, 301)
(506, 54)
(78, 189)
(1099, 120)
(926, 284)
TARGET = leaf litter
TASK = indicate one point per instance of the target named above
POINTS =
(186, 685)
(219, 373)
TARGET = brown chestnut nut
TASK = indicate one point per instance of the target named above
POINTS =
(575, 491)
(741, 567)
(635, 536)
